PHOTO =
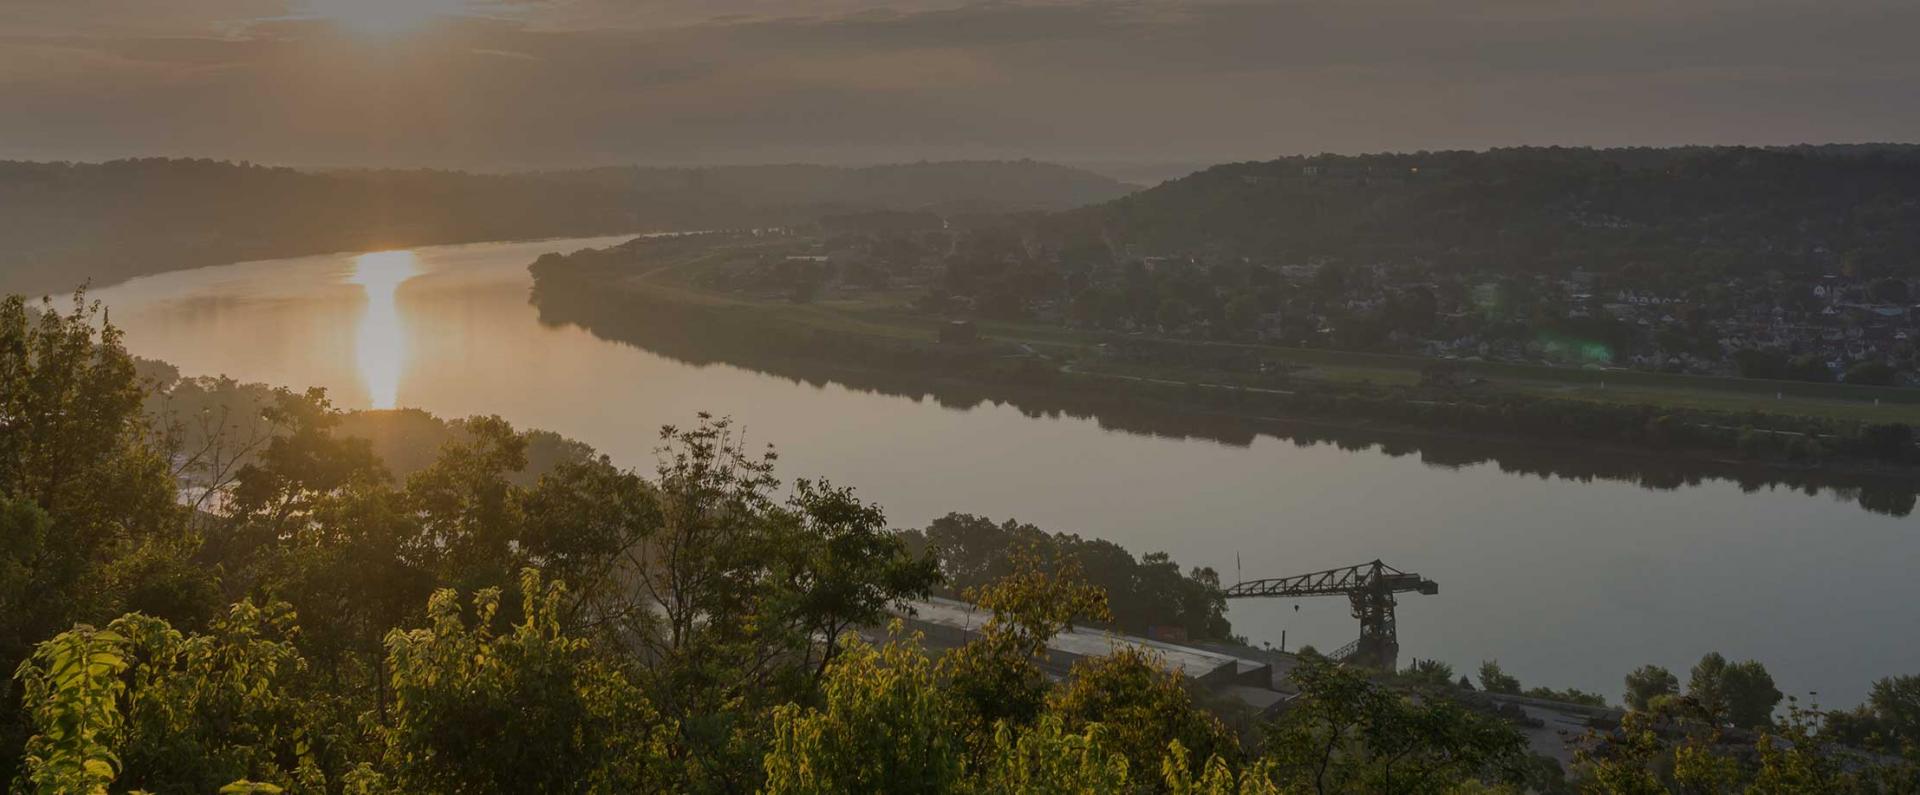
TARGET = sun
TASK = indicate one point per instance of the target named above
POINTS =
(381, 17)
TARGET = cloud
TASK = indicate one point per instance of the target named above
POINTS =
(542, 82)
(120, 17)
(506, 54)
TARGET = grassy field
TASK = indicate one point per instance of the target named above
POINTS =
(886, 315)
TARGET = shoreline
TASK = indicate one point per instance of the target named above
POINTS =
(1229, 414)
(90, 284)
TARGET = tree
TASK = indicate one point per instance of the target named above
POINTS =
(1872, 373)
(1242, 313)
(702, 560)
(1216, 777)
(353, 569)
(73, 685)
(1808, 368)
(727, 596)
(1344, 733)
(1628, 761)
(1330, 278)
(1890, 442)
(995, 677)
(315, 521)
(1143, 706)
(1791, 759)
(1172, 314)
(1098, 307)
(76, 441)
(1430, 672)
(883, 724)
(1738, 694)
(1144, 594)
(1414, 310)
(1706, 685)
(472, 516)
(841, 566)
(532, 710)
(1032, 605)
(1890, 290)
(887, 724)
(82, 479)
(1049, 757)
(1495, 680)
(1647, 683)
(1896, 703)
(304, 462)
(1653, 753)
(585, 523)
(143, 706)
(31, 597)
(1751, 695)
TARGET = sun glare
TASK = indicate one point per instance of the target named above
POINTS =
(381, 17)
(381, 345)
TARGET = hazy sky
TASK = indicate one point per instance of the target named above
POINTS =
(519, 83)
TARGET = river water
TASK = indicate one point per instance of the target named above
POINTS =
(1566, 580)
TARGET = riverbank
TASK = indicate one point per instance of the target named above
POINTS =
(97, 274)
(649, 300)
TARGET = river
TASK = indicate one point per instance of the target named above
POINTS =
(1567, 581)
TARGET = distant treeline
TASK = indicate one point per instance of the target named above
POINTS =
(65, 223)
(1690, 213)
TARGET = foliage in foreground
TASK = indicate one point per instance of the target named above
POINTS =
(534, 709)
(323, 626)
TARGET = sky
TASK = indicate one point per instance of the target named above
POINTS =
(512, 84)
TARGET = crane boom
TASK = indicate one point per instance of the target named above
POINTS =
(1370, 586)
(1336, 582)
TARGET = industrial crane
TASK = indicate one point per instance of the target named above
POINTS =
(1370, 586)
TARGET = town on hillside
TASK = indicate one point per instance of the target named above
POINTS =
(1825, 327)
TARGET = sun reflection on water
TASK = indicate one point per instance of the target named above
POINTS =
(381, 346)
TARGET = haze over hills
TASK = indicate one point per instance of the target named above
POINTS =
(65, 223)
(1692, 210)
